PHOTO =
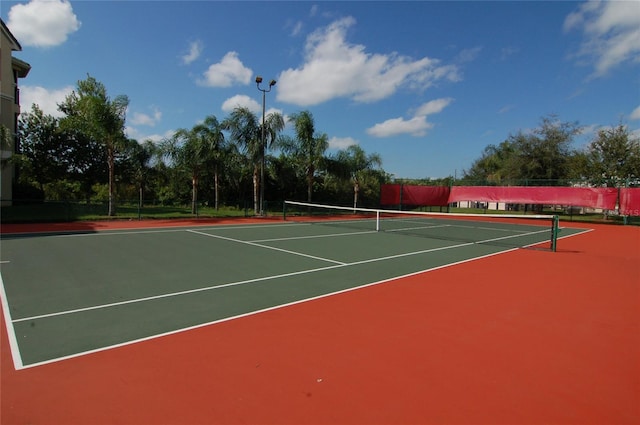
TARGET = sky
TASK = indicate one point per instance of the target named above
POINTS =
(427, 85)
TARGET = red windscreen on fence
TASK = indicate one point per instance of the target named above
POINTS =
(604, 198)
(630, 201)
(594, 197)
(437, 196)
(390, 194)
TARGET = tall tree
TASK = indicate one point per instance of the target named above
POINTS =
(542, 155)
(613, 157)
(211, 134)
(273, 125)
(91, 111)
(138, 160)
(496, 165)
(44, 154)
(307, 149)
(355, 165)
(191, 151)
(246, 133)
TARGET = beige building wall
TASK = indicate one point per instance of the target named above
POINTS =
(11, 69)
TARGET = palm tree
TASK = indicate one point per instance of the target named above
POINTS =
(354, 164)
(191, 151)
(246, 132)
(211, 133)
(307, 149)
(142, 156)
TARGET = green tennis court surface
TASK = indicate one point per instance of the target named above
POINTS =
(71, 294)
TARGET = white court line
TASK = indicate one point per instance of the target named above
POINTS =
(255, 312)
(225, 285)
(338, 264)
(17, 359)
(259, 279)
(267, 247)
(11, 332)
(252, 313)
(404, 229)
(494, 229)
(174, 294)
(333, 235)
(141, 231)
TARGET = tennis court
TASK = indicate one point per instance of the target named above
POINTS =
(76, 293)
(527, 336)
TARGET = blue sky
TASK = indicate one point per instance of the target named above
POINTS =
(425, 84)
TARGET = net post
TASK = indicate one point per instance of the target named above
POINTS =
(555, 226)
(284, 210)
(377, 220)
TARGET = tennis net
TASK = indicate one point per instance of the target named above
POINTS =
(512, 230)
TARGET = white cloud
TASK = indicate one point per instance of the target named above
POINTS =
(433, 107)
(335, 68)
(195, 49)
(42, 23)
(241, 101)
(506, 52)
(297, 28)
(611, 33)
(134, 133)
(469, 55)
(46, 99)
(635, 115)
(506, 109)
(341, 142)
(228, 71)
(416, 126)
(139, 118)
(588, 132)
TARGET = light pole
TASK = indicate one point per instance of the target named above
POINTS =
(264, 93)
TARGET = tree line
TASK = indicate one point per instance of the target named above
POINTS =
(85, 155)
(546, 156)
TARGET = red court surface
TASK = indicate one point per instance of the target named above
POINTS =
(526, 337)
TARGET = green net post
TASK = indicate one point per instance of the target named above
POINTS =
(555, 228)
(284, 210)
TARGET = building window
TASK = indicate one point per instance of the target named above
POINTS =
(16, 90)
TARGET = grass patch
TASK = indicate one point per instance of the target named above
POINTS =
(76, 211)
